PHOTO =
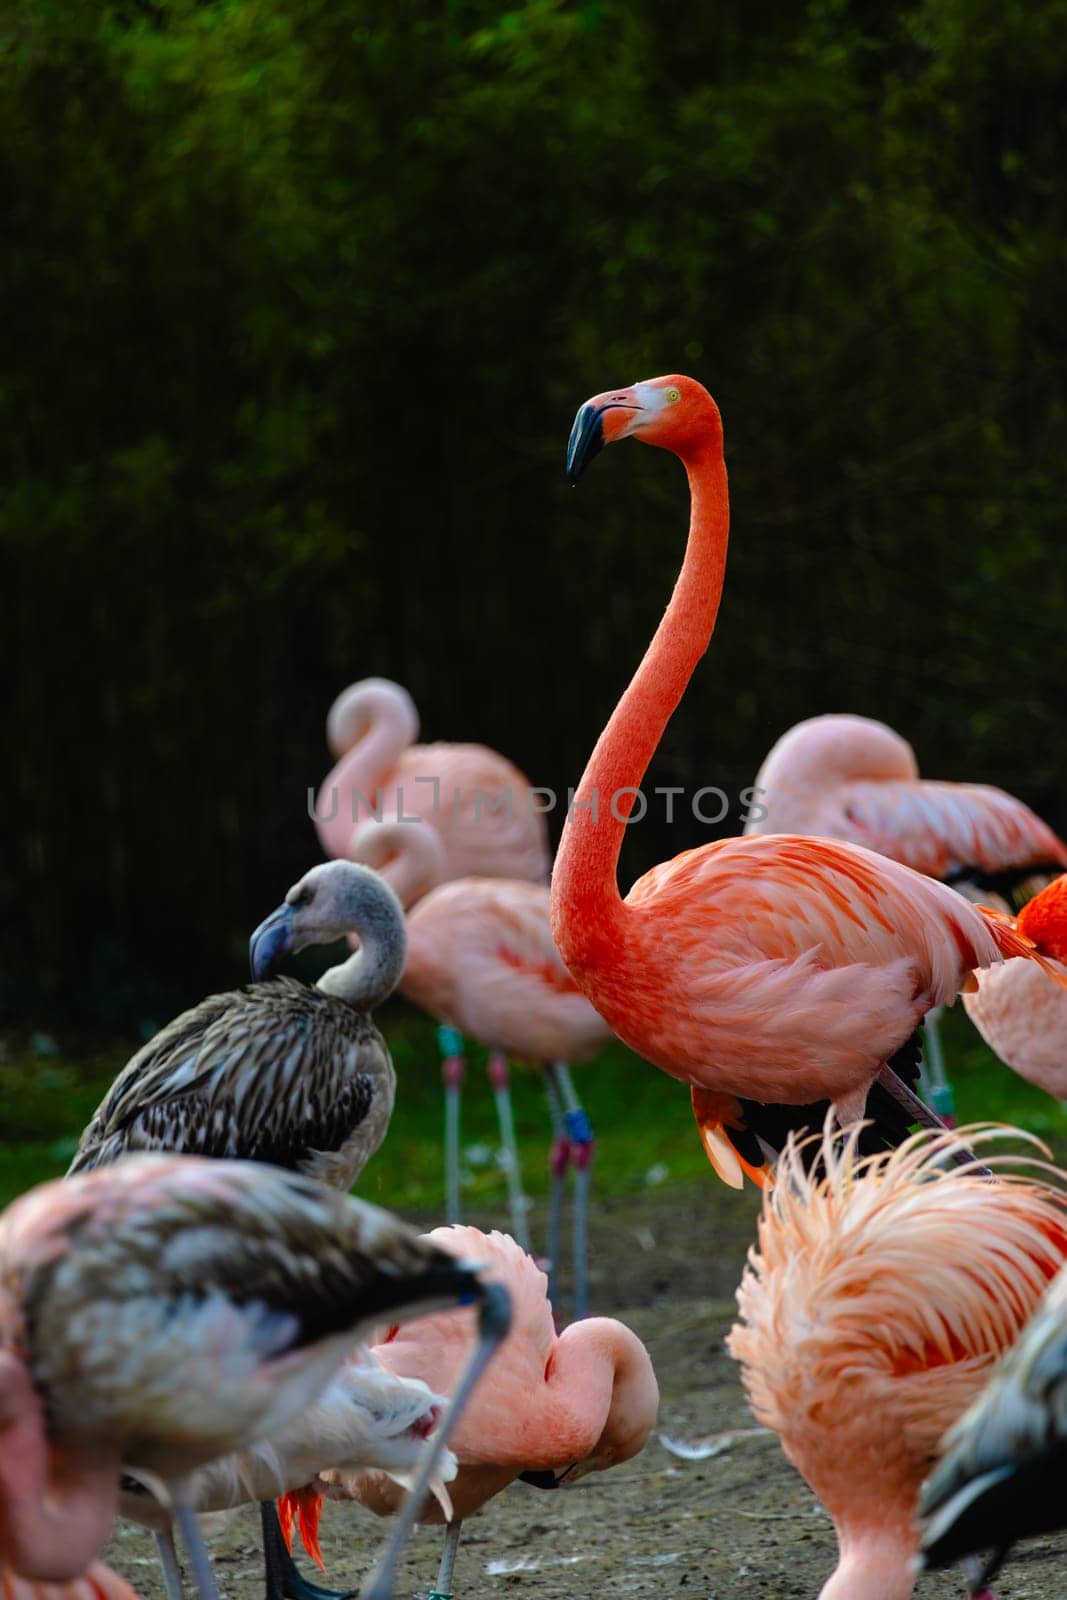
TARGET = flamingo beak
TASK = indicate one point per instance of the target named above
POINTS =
(270, 943)
(588, 436)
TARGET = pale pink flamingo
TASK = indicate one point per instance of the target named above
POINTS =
(480, 803)
(97, 1582)
(171, 1309)
(848, 777)
(873, 1308)
(772, 969)
(1000, 1477)
(1018, 1012)
(552, 1409)
(481, 960)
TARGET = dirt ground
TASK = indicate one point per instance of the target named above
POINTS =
(739, 1526)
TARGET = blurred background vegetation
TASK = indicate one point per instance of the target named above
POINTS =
(301, 297)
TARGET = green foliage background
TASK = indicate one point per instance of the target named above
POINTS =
(301, 298)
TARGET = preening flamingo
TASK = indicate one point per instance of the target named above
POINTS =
(97, 1582)
(761, 969)
(1018, 1012)
(873, 1308)
(482, 961)
(851, 778)
(1001, 1474)
(366, 1417)
(172, 1309)
(848, 777)
(481, 805)
(276, 1072)
(552, 1409)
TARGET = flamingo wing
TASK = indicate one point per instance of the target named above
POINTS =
(949, 830)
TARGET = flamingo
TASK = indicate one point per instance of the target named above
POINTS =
(480, 803)
(553, 1409)
(366, 1417)
(276, 1072)
(879, 1296)
(848, 777)
(1018, 1012)
(1000, 1477)
(170, 1310)
(764, 969)
(97, 1582)
(482, 961)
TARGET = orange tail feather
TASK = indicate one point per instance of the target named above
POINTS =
(715, 1114)
(304, 1507)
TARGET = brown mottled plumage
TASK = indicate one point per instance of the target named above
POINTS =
(275, 1072)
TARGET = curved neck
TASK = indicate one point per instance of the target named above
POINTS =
(383, 722)
(409, 856)
(585, 891)
(55, 1515)
(603, 1365)
(370, 976)
(879, 1562)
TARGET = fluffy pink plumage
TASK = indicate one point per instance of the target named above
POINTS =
(583, 1400)
(1018, 1010)
(480, 803)
(851, 778)
(876, 1303)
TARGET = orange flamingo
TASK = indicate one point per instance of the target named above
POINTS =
(877, 1300)
(481, 960)
(173, 1309)
(771, 969)
(97, 1582)
(552, 1409)
(1018, 1012)
(479, 802)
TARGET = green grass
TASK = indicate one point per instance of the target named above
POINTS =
(644, 1126)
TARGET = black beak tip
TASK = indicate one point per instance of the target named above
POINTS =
(586, 441)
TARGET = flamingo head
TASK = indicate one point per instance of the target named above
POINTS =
(334, 898)
(676, 413)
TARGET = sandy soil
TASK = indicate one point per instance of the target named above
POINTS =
(739, 1526)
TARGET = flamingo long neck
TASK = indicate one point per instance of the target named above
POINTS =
(54, 1514)
(585, 891)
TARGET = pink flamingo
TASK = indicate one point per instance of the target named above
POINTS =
(875, 1305)
(482, 961)
(481, 805)
(773, 969)
(173, 1309)
(848, 777)
(1018, 1012)
(553, 1409)
(97, 1582)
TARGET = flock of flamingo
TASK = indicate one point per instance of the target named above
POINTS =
(200, 1315)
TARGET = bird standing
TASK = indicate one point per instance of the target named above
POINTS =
(553, 1409)
(481, 805)
(848, 777)
(481, 959)
(874, 1306)
(170, 1310)
(775, 969)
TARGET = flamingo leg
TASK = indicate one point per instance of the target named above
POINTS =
(168, 1560)
(285, 1581)
(453, 1067)
(583, 1143)
(559, 1161)
(200, 1566)
(924, 1116)
(443, 1590)
(494, 1321)
(935, 1080)
(498, 1077)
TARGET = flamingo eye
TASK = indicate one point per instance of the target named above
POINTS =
(672, 396)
